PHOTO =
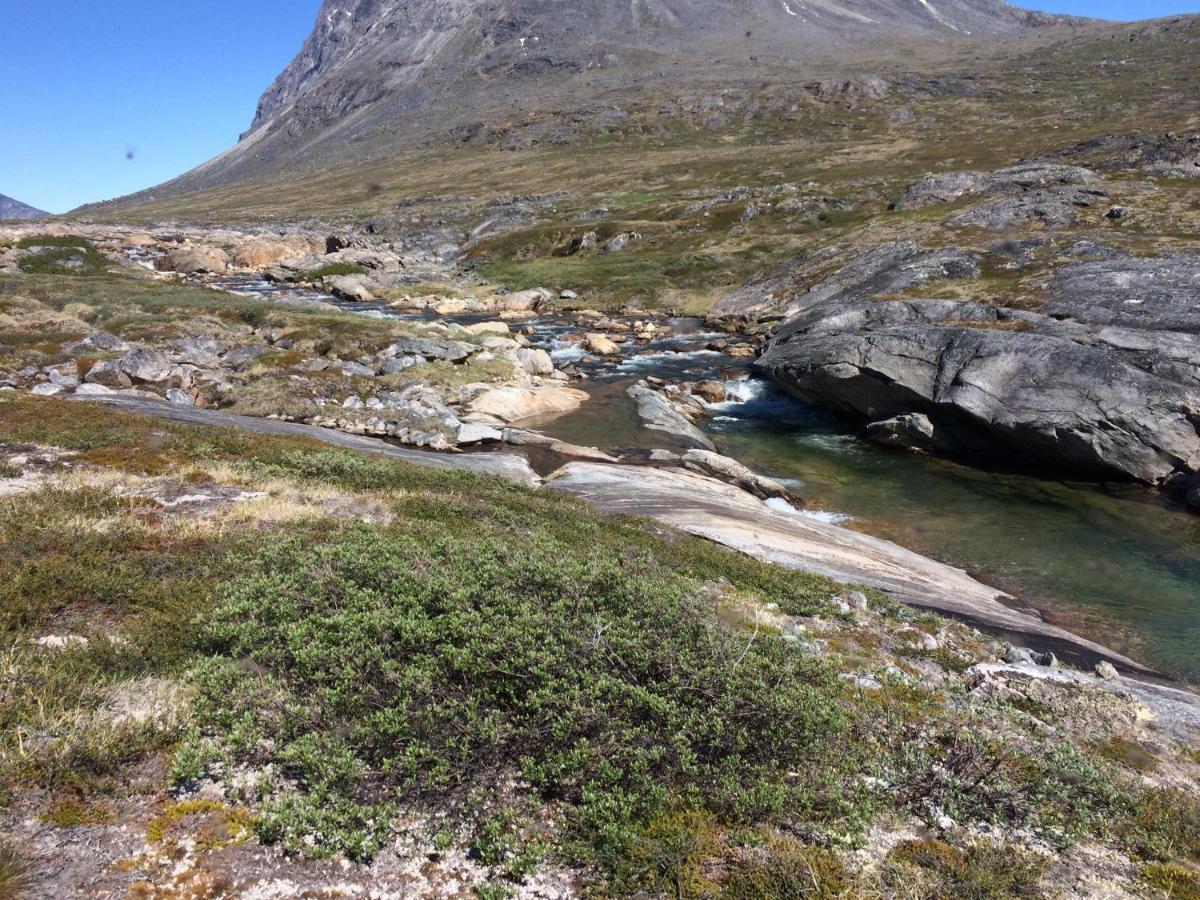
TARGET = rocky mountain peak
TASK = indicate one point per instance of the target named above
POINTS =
(362, 51)
(15, 209)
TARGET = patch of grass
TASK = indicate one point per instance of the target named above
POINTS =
(980, 871)
(1129, 753)
(15, 872)
(1172, 880)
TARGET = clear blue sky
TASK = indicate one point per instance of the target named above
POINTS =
(85, 82)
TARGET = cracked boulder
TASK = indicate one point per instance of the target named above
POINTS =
(1106, 383)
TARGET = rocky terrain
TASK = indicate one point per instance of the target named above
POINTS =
(11, 209)
(144, 761)
(368, 526)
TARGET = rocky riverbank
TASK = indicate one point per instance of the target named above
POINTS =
(1038, 325)
(1083, 780)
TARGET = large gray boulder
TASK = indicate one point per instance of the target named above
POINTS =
(1105, 383)
(658, 413)
(148, 366)
(431, 348)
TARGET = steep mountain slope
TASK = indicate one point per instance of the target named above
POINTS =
(362, 52)
(378, 75)
(15, 209)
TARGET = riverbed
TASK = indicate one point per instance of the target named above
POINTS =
(1114, 563)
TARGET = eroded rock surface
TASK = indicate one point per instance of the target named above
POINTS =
(1106, 379)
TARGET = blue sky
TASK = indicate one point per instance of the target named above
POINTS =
(88, 82)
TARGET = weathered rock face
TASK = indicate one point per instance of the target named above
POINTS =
(951, 186)
(1106, 382)
(791, 288)
(195, 260)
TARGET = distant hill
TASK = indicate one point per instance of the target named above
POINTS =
(15, 209)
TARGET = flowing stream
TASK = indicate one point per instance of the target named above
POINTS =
(1113, 563)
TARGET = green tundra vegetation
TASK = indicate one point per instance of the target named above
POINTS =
(360, 645)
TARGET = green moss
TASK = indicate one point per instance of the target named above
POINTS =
(71, 811)
(1172, 880)
(209, 824)
(785, 868)
(1129, 753)
(981, 871)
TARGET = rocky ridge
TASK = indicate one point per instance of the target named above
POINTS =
(15, 209)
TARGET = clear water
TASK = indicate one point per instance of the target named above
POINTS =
(1110, 562)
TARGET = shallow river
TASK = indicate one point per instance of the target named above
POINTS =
(1110, 562)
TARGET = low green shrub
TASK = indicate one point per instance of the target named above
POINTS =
(399, 670)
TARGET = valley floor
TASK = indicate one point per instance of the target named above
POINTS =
(258, 664)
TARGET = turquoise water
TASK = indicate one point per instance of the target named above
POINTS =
(1111, 562)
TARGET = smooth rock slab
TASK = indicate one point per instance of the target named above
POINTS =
(512, 404)
(731, 517)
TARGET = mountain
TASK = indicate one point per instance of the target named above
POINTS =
(15, 209)
(403, 54)
(378, 76)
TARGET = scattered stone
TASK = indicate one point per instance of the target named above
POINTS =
(399, 364)
(349, 287)
(535, 362)
(478, 433)
(357, 370)
(180, 397)
(242, 358)
(145, 366)
(710, 391)
(1107, 671)
(92, 390)
(99, 341)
